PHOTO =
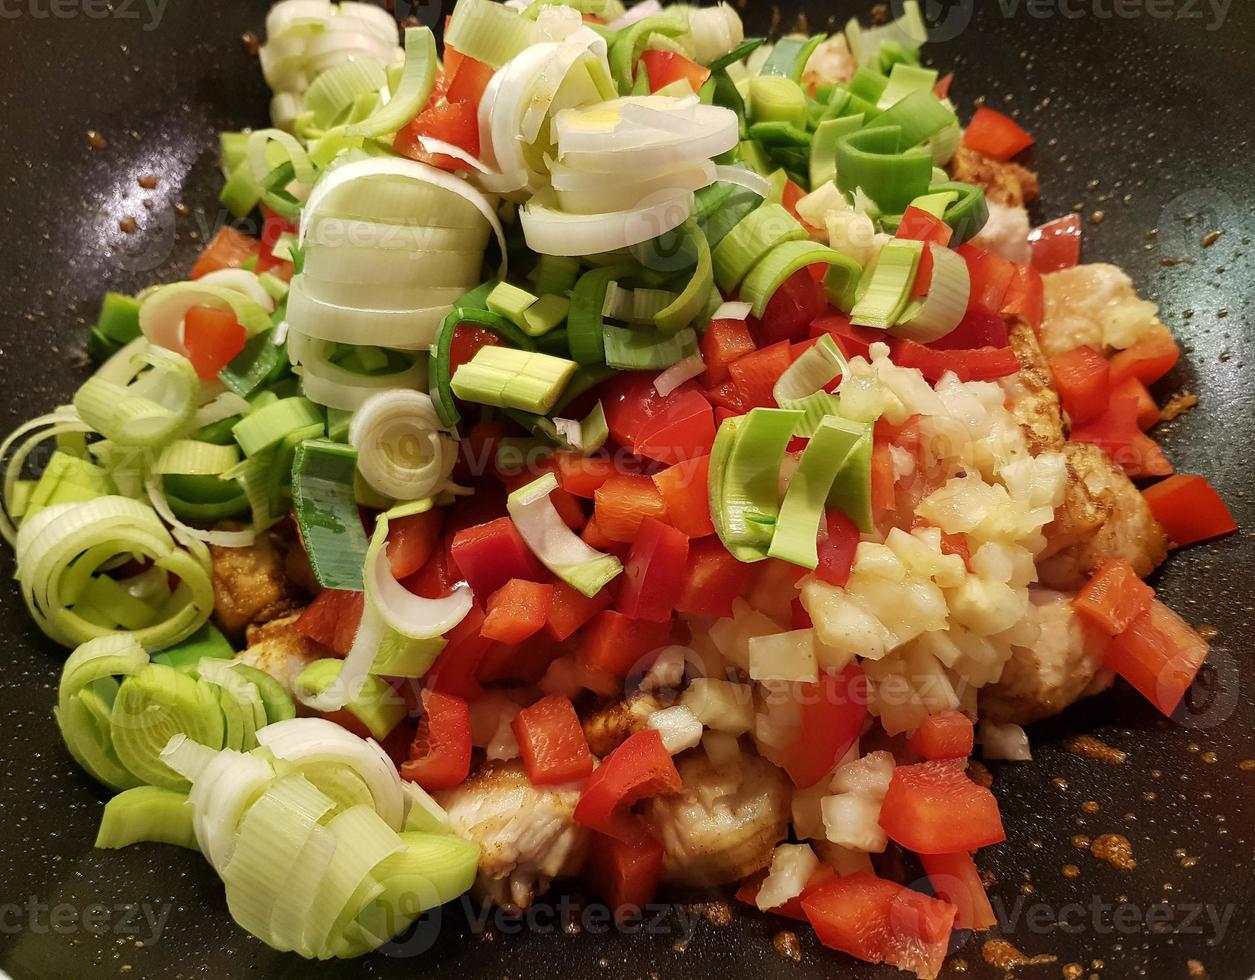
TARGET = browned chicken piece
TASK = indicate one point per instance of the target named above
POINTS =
(608, 727)
(278, 649)
(1034, 402)
(251, 585)
(1004, 182)
(725, 823)
(1063, 666)
(1103, 516)
(1095, 305)
(527, 834)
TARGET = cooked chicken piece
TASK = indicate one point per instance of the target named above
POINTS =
(725, 823)
(830, 63)
(1103, 516)
(1095, 305)
(608, 727)
(1063, 666)
(278, 649)
(251, 584)
(1034, 402)
(1004, 183)
(1006, 232)
(527, 834)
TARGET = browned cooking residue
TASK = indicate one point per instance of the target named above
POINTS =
(1247, 765)
(1177, 405)
(97, 139)
(1093, 748)
(1197, 970)
(1073, 971)
(1115, 849)
(958, 966)
(148, 181)
(128, 225)
(786, 944)
(1071, 871)
(1211, 238)
(1208, 632)
(1080, 842)
(248, 40)
(716, 913)
(1000, 953)
(1090, 806)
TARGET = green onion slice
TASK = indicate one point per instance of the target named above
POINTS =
(745, 477)
(556, 545)
(776, 266)
(886, 288)
(156, 404)
(939, 313)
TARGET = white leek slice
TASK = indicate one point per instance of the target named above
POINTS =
(741, 177)
(403, 451)
(408, 170)
(679, 372)
(162, 310)
(716, 31)
(417, 78)
(331, 385)
(225, 789)
(639, 134)
(733, 310)
(941, 311)
(585, 193)
(550, 231)
(401, 329)
(153, 408)
(401, 610)
(587, 435)
(819, 365)
(556, 545)
(305, 741)
(242, 281)
(155, 488)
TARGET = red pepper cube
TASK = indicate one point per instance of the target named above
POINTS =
(517, 610)
(440, 757)
(945, 735)
(614, 643)
(935, 808)
(489, 555)
(638, 768)
(712, 579)
(551, 742)
(654, 572)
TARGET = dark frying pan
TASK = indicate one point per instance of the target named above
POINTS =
(1142, 112)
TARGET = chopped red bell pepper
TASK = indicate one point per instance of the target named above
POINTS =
(921, 226)
(945, 735)
(1189, 509)
(582, 475)
(654, 572)
(1026, 297)
(1114, 597)
(625, 874)
(1056, 245)
(640, 767)
(853, 341)
(799, 618)
(1082, 378)
(951, 543)
(213, 338)
(468, 81)
(273, 227)
(228, 249)
(879, 921)
(1148, 415)
(991, 277)
(489, 555)
(956, 879)
(686, 496)
(935, 808)
(942, 88)
(466, 342)
(755, 375)
(332, 619)
(456, 670)
(413, 540)
(722, 343)
(1159, 654)
(836, 548)
(982, 364)
(832, 713)
(440, 757)
(976, 330)
(551, 742)
(883, 480)
(1117, 434)
(667, 428)
(792, 307)
(450, 122)
(1148, 360)
(623, 501)
(995, 135)
(517, 610)
(665, 67)
(569, 609)
(594, 538)
(713, 578)
(614, 643)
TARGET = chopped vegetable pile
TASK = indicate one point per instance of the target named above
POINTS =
(618, 417)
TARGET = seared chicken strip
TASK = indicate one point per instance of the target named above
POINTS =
(607, 728)
(1103, 516)
(1004, 183)
(527, 834)
(1063, 666)
(725, 823)
(1034, 402)
(278, 649)
(252, 585)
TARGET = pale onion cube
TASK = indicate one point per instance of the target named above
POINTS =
(879, 561)
(723, 750)
(869, 775)
(666, 673)
(986, 607)
(844, 624)
(853, 820)
(791, 867)
(1009, 742)
(721, 705)
(678, 727)
(784, 657)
